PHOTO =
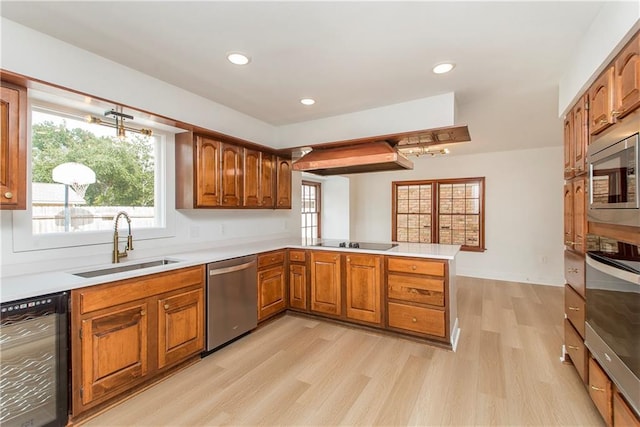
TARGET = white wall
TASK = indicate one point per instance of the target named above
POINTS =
(41, 57)
(425, 113)
(523, 205)
(614, 25)
(335, 205)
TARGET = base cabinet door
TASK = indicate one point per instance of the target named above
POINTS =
(325, 283)
(271, 291)
(363, 287)
(600, 391)
(298, 286)
(622, 413)
(180, 326)
(114, 351)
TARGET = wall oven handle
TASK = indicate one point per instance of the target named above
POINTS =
(231, 269)
(627, 276)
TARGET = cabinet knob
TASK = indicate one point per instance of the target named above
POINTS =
(574, 308)
(166, 306)
(335, 258)
(348, 259)
(143, 313)
(413, 267)
(413, 291)
(8, 195)
(414, 320)
(572, 270)
(594, 388)
(572, 347)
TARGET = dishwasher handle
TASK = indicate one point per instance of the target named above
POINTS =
(216, 272)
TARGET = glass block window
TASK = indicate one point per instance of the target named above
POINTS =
(310, 210)
(449, 211)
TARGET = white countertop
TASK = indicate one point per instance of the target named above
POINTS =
(31, 285)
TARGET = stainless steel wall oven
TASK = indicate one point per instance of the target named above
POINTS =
(612, 330)
(33, 355)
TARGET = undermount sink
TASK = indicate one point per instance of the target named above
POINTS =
(126, 267)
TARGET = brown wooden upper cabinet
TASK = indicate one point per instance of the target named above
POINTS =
(211, 173)
(283, 193)
(259, 179)
(13, 147)
(616, 92)
(627, 79)
(576, 137)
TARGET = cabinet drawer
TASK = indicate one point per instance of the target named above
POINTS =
(416, 266)
(416, 289)
(297, 256)
(576, 350)
(574, 308)
(574, 271)
(622, 414)
(270, 258)
(417, 319)
(600, 390)
(102, 296)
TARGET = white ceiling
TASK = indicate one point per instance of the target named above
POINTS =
(349, 56)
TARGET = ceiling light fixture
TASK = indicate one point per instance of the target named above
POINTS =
(307, 101)
(444, 67)
(238, 58)
(421, 151)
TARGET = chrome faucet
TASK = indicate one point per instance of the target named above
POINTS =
(116, 250)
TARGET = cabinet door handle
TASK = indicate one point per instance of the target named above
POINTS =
(616, 113)
(166, 306)
(603, 121)
(572, 270)
(572, 347)
(574, 308)
(413, 291)
(8, 195)
(594, 388)
(569, 243)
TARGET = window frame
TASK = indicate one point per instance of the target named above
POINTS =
(24, 240)
(435, 208)
(318, 211)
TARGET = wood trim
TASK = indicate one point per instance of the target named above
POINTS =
(623, 233)
(435, 183)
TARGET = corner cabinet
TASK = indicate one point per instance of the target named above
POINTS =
(13, 147)
(125, 334)
(214, 173)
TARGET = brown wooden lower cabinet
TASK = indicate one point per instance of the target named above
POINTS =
(271, 291)
(326, 283)
(623, 416)
(298, 286)
(576, 350)
(363, 287)
(600, 390)
(126, 333)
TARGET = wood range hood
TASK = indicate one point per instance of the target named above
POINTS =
(368, 157)
(375, 154)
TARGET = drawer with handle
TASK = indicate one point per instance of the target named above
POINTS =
(416, 266)
(417, 319)
(574, 308)
(600, 390)
(418, 289)
(574, 269)
(575, 348)
(297, 256)
(270, 258)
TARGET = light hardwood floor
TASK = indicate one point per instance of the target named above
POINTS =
(302, 371)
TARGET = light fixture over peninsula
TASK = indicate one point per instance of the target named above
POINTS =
(443, 67)
(238, 58)
(307, 101)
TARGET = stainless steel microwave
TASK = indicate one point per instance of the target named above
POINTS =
(614, 196)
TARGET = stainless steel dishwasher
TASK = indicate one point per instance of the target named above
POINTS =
(232, 300)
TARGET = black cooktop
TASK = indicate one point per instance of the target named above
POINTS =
(359, 245)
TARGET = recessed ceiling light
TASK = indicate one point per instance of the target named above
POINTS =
(238, 58)
(307, 101)
(445, 67)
